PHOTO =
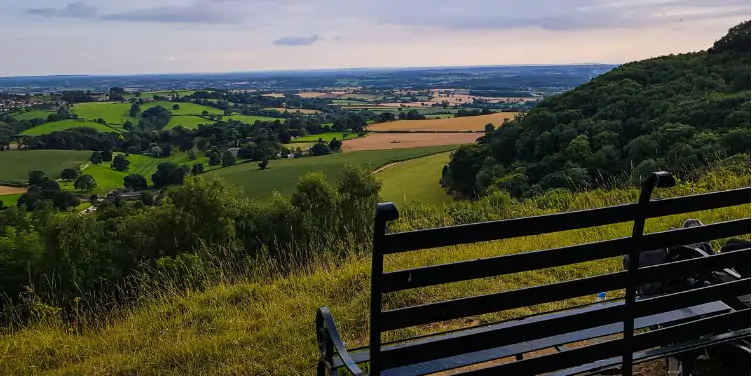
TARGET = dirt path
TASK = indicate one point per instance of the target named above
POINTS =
(384, 167)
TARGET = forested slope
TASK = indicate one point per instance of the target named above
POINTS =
(675, 112)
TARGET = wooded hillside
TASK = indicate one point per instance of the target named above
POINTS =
(675, 112)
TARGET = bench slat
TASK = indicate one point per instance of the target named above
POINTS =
(496, 266)
(736, 320)
(685, 268)
(477, 305)
(511, 228)
(524, 331)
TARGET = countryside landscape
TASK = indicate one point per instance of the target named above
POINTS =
(191, 224)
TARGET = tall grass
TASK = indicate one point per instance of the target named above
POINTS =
(218, 314)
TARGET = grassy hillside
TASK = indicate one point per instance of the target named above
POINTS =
(10, 200)
(33, 114)
(327, 136)
(415, 180)
(282, 175)
(264, 325)
(249, 119)
(111, 112)
(16, 164)
(47, 128)
(187, 121)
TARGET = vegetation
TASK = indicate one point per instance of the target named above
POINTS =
(17, 164)
(459, 124)
(206, 312)
(282, 175)
(673, 112)
(414, 180)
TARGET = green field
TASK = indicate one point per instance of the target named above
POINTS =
(187, 121)
(415, 180)
(283, 174)
(109, 179)
(327, 136)
(111, 112)
(10, 200)
(16, 164)
(32, 114)
(67, 124)
(250, 119)
(185, 108)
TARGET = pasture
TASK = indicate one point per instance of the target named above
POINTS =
(327, 136)
(383, 141)
(68, 124)
(185, 108)
(250, 119)
(11, 199)
(187, 121)
(111, 112)
(16, 164)
(283, 174)
(32, 114)
(462, 124)
(414, 180)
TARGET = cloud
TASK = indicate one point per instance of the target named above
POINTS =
(210, 12)
(78, 9)
(298, 41)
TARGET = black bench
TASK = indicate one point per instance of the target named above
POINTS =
(666, 325)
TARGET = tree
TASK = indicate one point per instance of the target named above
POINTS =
(191, 155)
(197, 169)
(463, 167)
(169, 173)
(335, 144)
(135, 109)
(69, 174)
(320, 148)
(204, 113)
(128, 125)
(227, 159)
(120, 163)
(166, 150)
(489, 127)
(135, 181)
(202, 144)
(214, 158)
(155, 152)
(107, 156)
(85, 183)
(263, 164)
(65, 200)
(147, 198)
(37, 178)
(96, 157)
(175, 106)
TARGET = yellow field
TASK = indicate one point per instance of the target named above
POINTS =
(462, 124)
(311, 94)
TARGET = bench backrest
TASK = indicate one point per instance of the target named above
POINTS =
(386, 282)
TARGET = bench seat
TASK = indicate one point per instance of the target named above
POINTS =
(361, 355)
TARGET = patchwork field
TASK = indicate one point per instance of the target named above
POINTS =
(282, 175)
(384, 141)
(250, 119)
(185, 108)
(32, 114)
(414, 180)
(67, 124)
(16, 164)
(111, 112)
(462, 124)
(187, 121)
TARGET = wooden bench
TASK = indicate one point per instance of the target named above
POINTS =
(666, 325)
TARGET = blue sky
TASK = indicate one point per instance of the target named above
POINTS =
(168, 36)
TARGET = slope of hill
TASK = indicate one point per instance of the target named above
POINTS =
(675, 112)
(17, 164)
(242, 324)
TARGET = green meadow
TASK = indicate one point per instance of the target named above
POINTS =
(415, 180)
(16, 164)
(68, 124)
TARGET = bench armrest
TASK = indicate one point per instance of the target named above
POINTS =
(329, 341)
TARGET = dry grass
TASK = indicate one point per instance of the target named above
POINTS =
(5, 190)
(382, 141)
(462, 124)
(311, 94)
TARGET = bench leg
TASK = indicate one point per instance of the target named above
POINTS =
(326, 349)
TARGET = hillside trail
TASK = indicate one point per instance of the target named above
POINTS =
(384, 167)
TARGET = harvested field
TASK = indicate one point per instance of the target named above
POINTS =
(5, 190)
(462, 124)
(383, 141)
(311, 94)
(274, 95)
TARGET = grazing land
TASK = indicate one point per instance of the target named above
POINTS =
(283, 174)
(10, 199)
(414, 180)
(188, 121)
(186, 108)
(461, 124)
(33, 114)
(67, 124)
(16, 164)
(383, 141)
(111, 112)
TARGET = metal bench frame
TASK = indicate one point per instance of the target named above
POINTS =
(722, 325)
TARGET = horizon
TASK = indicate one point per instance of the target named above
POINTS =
(385, 68)
(108, 38)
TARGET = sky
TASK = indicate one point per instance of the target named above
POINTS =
(43, 37)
